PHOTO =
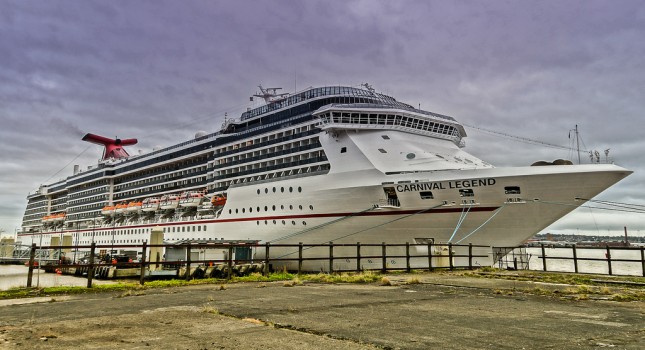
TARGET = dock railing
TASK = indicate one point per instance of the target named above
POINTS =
(83, 260)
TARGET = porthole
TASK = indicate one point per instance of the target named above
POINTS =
(290, 189)
(293, 223)
(274, 190)
(304, 223)
(243, 210)
(284, 222)
(266, 208)
(250, 209)
(266, 190)
(282, 189)
(300, 206)
(258, 191)
(258, 222)
(266, 222)
(273, 207)
(258, 209)
(290, 207)
(230, 211)
(299, 189)
(236, 211)
(311, 207)
(282, 207)
(274, 222)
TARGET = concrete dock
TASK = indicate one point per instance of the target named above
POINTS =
(443, 311)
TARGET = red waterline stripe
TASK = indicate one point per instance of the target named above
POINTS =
(283, 217)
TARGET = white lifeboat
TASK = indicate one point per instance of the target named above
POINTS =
(150, 204)
(169, 201)
(191, 199)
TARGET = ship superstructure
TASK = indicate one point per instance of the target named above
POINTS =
(329, 164)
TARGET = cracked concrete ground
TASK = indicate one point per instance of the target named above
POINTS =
(448, 312)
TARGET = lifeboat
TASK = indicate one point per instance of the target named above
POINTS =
(169, 201)
(150, 204)
(191, 199)
(108, 210)
(134, 207)
(120, 208)
(218, 200)
(59, 217)
(47, 218)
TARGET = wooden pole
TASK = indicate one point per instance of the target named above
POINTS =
(470, 256)
(543, 257)
(230, 263)
(450, 256)
(266, 258)
(430, 256)
(188, 249)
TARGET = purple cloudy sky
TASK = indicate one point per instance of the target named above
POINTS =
(161, 70)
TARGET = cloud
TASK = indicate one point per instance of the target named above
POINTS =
(161, 70)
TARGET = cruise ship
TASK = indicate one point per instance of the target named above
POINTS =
(330, 164)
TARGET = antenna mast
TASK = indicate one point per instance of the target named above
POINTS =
(577, 143)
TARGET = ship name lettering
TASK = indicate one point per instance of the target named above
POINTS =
(430, 186)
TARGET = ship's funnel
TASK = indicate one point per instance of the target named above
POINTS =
(113, 147)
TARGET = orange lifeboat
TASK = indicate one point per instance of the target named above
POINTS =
(191, 199)
(120, 208)
(134, 207)
(218, 200)
(108, 210)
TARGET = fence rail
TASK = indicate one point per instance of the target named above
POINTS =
(608, 258)
(337, 257)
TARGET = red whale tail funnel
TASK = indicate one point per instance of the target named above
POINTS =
(113, 147)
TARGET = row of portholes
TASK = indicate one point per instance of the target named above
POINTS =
(266, 208)
(282, 189)
(284, 222)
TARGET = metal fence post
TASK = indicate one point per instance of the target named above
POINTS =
(470, 256)
(299, 258)
(450, 256)
(575, 258)
(358, 257)
(90, 270)
(608, 255)
(384, 257)
(143, 262)
(331, 257)
(32, 256)
(430, 268)
(643, 260)
(543, 257)
(407, 257)
(230, 263)
(266, 259)
(188, 249)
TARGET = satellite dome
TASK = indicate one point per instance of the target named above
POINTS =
(200, 133)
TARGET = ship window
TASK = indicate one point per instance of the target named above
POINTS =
(466, 193)
(385, 137)
(243, 210)
(299, 189)
(273, 208)
(257, 209)
(304, 223)
(250, 209)
(311, 207)
(284, 222)
(266, 208)
(274, 190)
(282, 189)
(293, 222)
(426, 195)
(282, 207)
(266, 190)
(236, 211)
(258, 191)
(343, 150)
(290, 207)
(290, 189)
(300, 206)
(382, 150)
(204, 228)
(512, 190)
(199, 228)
